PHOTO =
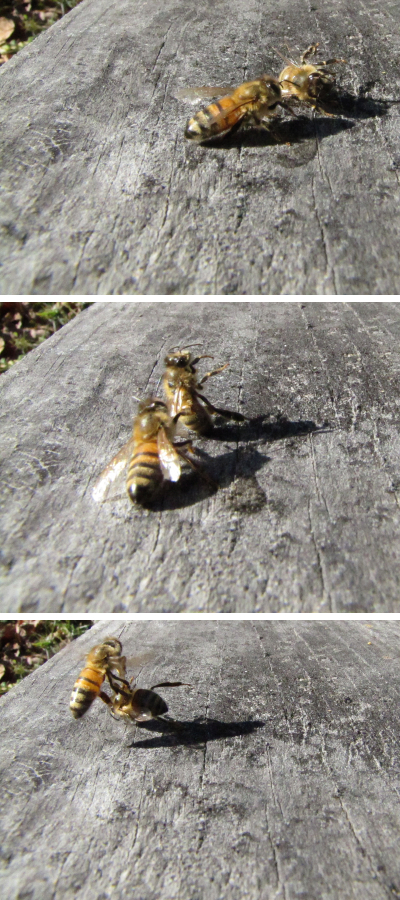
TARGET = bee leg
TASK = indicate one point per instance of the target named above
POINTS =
(105, 698)
(198, 358)
(265, 124)
(120, 666)
(226, 413)
(112, 679)
(171, 684)
(285, 104)
(203, 475)
(214, 372)
(188, 444)
(330, 62)
(176, 725)
(316, 107)
(183, 412)
(311, 51)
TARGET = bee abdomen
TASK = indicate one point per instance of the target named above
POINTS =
(197, 421)
(85, 690)
(205, 123)
(149, 700)
(144, 472)
(193, 415)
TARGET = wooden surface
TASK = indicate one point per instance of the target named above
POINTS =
(103, 195)
(283, 782)
(306, 517)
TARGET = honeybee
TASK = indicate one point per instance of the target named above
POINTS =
(151, 455)
(306, 82)
(101, 662)
(141, 704)
(249, 104)
(183, 396)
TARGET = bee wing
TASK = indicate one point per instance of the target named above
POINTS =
(176, 404)
(111, 472)
(221, 117)
(137, 661)
(205, 92)
(286, 59)
(169, 459)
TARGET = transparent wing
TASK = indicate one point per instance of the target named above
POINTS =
(220, 118)
(133, 662)
(112, 472)
(141, 658)
(286, 59)
(176, 403)
(169, 459)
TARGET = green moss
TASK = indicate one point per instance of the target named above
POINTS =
(25, 645)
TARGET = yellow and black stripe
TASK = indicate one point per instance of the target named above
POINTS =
(144, 700)
(214, 119)
(86, 688)
(195, 416)
(251, 100)
(144, 471)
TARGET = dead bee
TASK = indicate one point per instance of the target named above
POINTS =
(311, 84)
(250, 104)
(185, 402)
(151, 455)
(141, 704)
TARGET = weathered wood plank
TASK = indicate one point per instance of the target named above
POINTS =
(304, 520)
(103, 195)
(282, 784)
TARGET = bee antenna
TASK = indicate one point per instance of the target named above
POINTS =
(195, 344)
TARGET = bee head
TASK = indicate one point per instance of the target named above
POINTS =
(317, 81)
(179, 358)
(113, 644)
(273, 87)
(151, 404)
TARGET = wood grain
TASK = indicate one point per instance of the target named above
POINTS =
(306, 517)
(102, 194)
(282, 783)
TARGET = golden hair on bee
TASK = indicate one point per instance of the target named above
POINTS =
(102, 662)
(308, 83)
(250, 104)
(186, 404)
(151, 455)
(141, 704)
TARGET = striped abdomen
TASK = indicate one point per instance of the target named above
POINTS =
(220, 116)
(146, 704)
(86, 688)
(144, 471)
(196, 418)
